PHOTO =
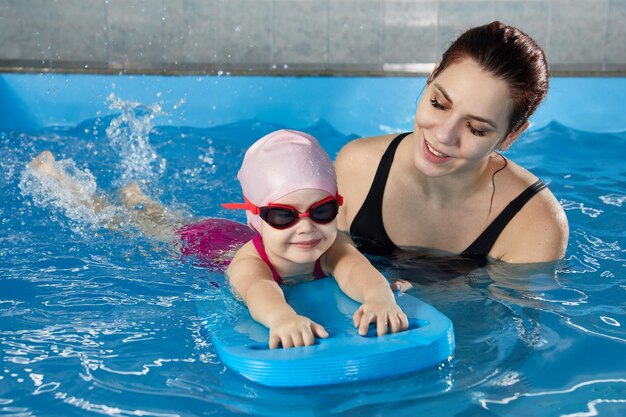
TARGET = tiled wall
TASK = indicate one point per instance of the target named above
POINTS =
(294, 36)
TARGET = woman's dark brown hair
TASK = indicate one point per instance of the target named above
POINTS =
(510, 55)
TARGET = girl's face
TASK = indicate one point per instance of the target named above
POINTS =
(462, 117)
(306, 240)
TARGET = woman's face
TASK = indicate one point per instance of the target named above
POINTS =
(305, 241)
(462, 117)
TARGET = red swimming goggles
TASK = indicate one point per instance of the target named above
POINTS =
(282, 216)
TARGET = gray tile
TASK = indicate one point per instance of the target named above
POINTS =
(531, 17)
(410, 31)
(616, 33)
(300, 32)
(245, 31)
(24, 30)
(135, 29)
(78, 33)
(354, 31)
(455, 17)
(577, 32)
(190, 33)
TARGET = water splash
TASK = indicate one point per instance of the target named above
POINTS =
(68, 191)
(128, 135)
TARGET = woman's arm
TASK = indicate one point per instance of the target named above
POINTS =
(363, 283)
(252, 280)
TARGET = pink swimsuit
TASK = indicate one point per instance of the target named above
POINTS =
(212, 242)
(258, 244)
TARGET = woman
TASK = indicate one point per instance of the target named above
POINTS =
(444, 189)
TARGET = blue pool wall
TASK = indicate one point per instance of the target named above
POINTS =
(361, 106)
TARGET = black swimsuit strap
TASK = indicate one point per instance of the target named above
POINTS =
(483, 243)
(368, 231)
(368, 222)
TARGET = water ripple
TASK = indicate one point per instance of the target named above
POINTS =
(108, 410)
(613, 199)
(587, 393)
(573, 205)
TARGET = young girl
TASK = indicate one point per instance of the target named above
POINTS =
(290, 195)
(291, 198)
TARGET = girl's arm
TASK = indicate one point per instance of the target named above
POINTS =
(252, 280)
(363, 283)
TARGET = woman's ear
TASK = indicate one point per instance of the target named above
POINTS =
(512, 137)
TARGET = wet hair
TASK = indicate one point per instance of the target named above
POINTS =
(509, 54)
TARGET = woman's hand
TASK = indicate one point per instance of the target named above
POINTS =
(401, 285)
(294, 330)
(384, 312)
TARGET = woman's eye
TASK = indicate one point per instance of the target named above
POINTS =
(436, 104)
(476, 132)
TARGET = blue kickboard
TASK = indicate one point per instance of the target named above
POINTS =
(345, 356)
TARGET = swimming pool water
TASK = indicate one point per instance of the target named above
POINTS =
(95, 321)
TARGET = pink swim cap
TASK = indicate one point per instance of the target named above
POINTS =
(280, 163)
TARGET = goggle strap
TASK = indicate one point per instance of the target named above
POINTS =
(242, 206)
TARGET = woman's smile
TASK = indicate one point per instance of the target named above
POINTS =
(433, 155)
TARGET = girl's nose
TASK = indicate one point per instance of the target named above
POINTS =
(305, 225)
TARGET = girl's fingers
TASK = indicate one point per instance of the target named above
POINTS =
(381, 326)
(302, 334)
(366, 319)
(404, 321)
(356, 318)
(394, 323)
(307, 338)
(319, 330)
(274, 341)
(286, 341)
(297, 339)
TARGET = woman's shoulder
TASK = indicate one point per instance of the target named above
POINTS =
(539, 231)
(361, 152)
(356, 166)
(543, 202)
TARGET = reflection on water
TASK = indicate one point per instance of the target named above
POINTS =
(97, 321)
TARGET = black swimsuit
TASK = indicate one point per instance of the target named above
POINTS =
(369, 234)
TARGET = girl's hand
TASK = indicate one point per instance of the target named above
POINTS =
(385, 312)
(295, 330)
